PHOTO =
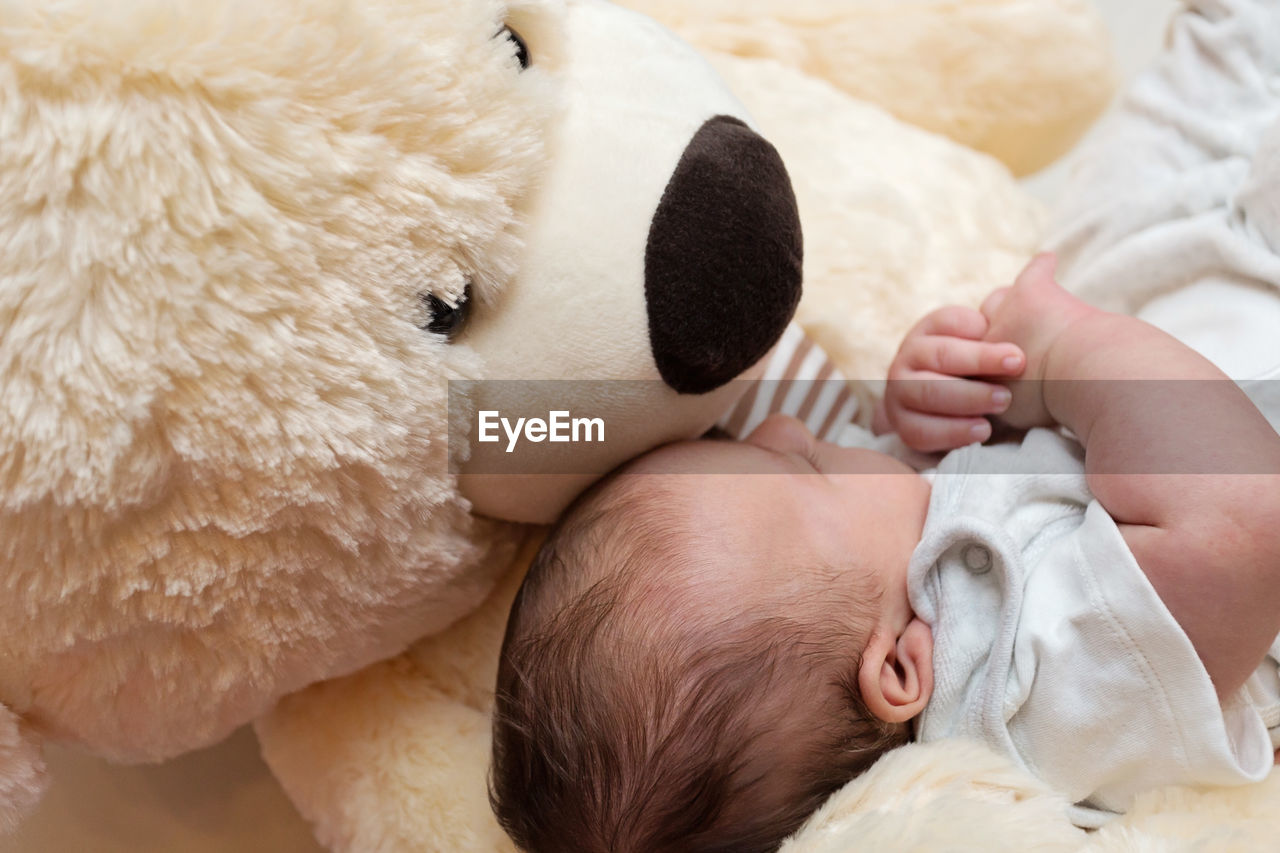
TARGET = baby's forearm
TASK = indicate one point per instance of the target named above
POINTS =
(1142, 403)
(1184, 462)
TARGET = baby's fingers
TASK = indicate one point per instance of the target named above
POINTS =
(955, 321)
(935, 394)
(934, 433)
(958, 357)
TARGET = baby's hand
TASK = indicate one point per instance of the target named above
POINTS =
(934, 399)
(1032, 314)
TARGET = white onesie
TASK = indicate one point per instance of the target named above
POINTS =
(1052, 647)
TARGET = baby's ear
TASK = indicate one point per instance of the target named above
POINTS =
(896, 675)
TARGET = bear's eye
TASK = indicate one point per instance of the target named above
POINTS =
(521, 48)
(445, 319)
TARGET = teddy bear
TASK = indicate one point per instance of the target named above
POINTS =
(260, 257)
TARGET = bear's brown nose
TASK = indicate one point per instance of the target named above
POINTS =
(723, 265)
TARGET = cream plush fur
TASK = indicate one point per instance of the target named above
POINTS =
(1017, 79)
(224, 429)
(959, 796)
(219, 416)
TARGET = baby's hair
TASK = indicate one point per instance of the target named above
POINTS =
(623, 726)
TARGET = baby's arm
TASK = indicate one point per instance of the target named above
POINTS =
(1187, 470)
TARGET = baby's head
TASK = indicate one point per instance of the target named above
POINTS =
(711, 643)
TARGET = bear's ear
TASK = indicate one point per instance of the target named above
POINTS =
(23, 778)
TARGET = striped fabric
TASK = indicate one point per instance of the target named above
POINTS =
(800, 380)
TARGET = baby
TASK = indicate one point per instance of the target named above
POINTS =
(723, 633)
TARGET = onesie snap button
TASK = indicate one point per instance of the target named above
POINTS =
(977, 558)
